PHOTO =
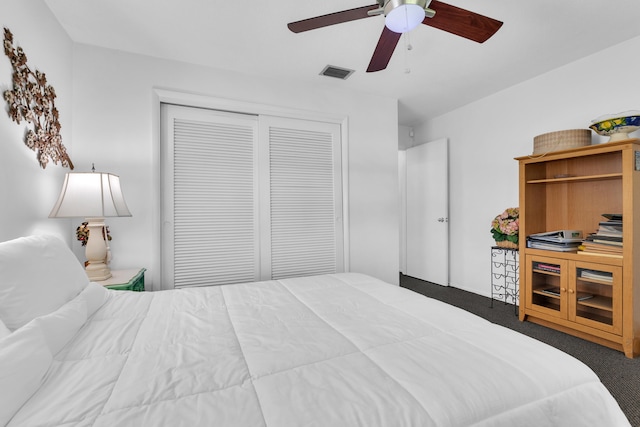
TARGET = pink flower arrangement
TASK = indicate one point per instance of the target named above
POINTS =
(506, 225)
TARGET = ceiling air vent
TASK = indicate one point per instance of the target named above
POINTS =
(337, 72)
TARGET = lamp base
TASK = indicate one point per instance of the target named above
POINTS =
(96, 251)
(99, 274)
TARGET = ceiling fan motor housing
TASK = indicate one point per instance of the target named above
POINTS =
(389, 5)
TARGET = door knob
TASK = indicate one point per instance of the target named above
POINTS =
(441, 219)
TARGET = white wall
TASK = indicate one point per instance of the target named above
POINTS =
(405, 140)
(402, 188)
(116, 126)
(27, 191)
(485, 136)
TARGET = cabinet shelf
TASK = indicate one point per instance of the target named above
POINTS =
(605, 320)
(599, 302)
(547, 272)
(576, 178)
(578, 256)
(546, 294)
(596, 281)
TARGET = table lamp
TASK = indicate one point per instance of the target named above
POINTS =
(93, 195)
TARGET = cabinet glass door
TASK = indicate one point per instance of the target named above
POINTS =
(548, 285)
(596, 295)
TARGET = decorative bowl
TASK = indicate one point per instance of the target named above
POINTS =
(617, 126)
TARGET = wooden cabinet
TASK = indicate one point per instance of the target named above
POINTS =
(595, 297)
(585, 293)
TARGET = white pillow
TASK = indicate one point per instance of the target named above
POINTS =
(24, 361)
(95, 296)
(38, 274)
(61, 325)
(4, 331)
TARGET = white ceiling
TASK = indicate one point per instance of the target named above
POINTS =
(445, 71)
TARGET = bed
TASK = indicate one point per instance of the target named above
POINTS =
(333, 350)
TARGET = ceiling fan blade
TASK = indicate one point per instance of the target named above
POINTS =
(386, 45)
(331, 19)
(461, 22)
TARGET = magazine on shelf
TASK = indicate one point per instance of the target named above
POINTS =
(609, 230)
(599, 239)
(588, 245)
(609, 234)
(559, 240)
(613, 217)
(598, 235)
(605, 276)
(558, 236)
(551, 246)
(612, 227)
(602, 241)
(546, 267)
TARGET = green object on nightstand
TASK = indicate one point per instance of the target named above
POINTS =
(125, 280)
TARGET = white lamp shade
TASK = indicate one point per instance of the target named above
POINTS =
(90, 194)
(404, 18)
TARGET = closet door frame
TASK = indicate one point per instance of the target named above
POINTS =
(161, 96)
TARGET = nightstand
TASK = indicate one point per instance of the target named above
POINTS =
(125, 280)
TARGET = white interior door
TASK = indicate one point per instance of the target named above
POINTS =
(427, 212)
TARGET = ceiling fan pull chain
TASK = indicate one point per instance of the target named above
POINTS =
(407, 48)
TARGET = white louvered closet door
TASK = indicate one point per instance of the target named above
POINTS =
(305, 198)
(210, 207)
(248, 198)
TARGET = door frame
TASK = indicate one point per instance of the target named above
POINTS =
(166, 96)
(402, 168)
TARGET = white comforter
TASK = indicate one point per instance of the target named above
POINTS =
(338, 350)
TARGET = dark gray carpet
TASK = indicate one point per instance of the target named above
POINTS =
(619, 374)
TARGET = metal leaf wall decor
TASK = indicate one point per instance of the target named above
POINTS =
(33, 101)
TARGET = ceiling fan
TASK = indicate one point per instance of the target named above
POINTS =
(402, 16)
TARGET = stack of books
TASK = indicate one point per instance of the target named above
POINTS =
(551, 268)
(607, 240)
(559, 241)
(603, 276)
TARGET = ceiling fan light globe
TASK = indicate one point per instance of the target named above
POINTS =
(404, 18)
